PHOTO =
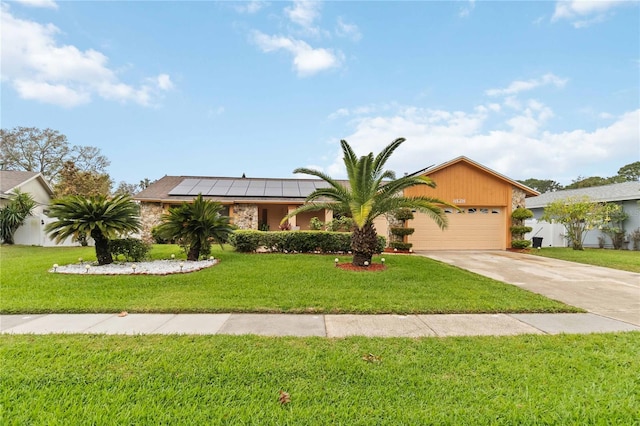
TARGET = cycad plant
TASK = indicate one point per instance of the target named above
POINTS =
(100, 217)
(196, 224)
(13, 215)
(371, 192)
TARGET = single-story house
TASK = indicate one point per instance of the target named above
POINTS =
(33, 183)
(627, 194)
(486, 197)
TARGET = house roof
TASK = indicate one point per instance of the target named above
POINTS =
(614, 192)
(529, 192)
(183, 188)
(13, 179)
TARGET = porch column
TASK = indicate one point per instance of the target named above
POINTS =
(292, 219)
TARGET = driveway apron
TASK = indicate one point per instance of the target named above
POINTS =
(602, 291)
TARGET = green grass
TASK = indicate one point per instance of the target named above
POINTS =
(625, 260)
(257, 283)
(564, 379)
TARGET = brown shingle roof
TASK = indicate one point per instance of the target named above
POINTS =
(10, 179)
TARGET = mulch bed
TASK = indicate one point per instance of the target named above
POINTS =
(374, 267)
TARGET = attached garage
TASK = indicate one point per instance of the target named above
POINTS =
(485, 198)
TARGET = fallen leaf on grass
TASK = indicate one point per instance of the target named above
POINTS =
(371, 358)
(284, 398)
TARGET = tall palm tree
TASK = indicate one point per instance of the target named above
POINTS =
(371, 192)
(196, 224)
(101, 218)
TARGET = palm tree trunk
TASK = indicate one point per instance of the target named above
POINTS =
(194, 250)
(102, 248)
(363, 243)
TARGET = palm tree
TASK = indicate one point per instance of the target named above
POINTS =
(196, 224)
(371, 192)
(101, 218)
(13, 215)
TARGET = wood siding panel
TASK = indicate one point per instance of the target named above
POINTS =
(463, 181)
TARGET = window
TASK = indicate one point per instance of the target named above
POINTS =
(484, 211)
(448, 211)
(472, 210)
(494, 211)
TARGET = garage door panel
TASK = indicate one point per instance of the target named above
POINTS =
(476, 229)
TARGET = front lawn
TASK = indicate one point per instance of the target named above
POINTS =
(201, 380)
(625, 260)
(256, 283)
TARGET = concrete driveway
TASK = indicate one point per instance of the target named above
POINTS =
(602, 291)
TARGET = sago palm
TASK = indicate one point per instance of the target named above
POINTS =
(196, 224)
(371, 192)
(101, 218)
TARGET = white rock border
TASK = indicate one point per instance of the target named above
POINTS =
(156, 267)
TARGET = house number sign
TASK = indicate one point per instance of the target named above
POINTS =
(459, 201)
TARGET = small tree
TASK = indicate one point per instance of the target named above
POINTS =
(518, 229)
(101, 218)
(13, 215)
(613, 224)
(196, 225)
(578, 215)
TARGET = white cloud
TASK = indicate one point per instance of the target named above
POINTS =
(39, 68)
(465, 11)
(516, 145)
(47, 4)
(344, 29)
(306, 59)
(583, 13)
(522, 86)
(304, 13)
(251, 7)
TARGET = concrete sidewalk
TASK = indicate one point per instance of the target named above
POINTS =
(314, 325)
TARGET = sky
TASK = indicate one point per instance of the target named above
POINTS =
(541, 89)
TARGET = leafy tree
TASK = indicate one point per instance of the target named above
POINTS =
(542, 185)
(46, 151)
(630, 172)
(587, 182)
(126, 188)
(101, 218)
(371, 192)
(613, 225)
(13, 215)
(578, 215)
(73, 181)
(196, 225)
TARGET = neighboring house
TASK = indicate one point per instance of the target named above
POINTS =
(627, 194)
(32, 232)
(486, 197)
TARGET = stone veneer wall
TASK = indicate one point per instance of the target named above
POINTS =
(517, 198)
(245, 216)
(150, 216)
(393, 223)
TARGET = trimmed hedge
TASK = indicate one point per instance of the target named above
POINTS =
(295, 241)
(401, 232)
(400, 245)
(520, 244)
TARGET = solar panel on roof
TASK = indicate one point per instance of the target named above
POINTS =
(273, 192)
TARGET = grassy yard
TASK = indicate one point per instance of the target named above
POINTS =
(565, 379)
(256, 283)
(625, 260)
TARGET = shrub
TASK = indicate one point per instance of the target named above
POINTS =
(299, 242)
(521, 214)
(340, 224)
(400, 245)
(403, 214)
(520, 230)
(316, 224)
(635, 238)
(132, 249)
(245, 240)
(520, 244)
(159, 239)
(401, 232)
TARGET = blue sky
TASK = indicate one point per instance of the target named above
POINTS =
(529, 89)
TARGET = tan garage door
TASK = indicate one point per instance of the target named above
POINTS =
(478, 228)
